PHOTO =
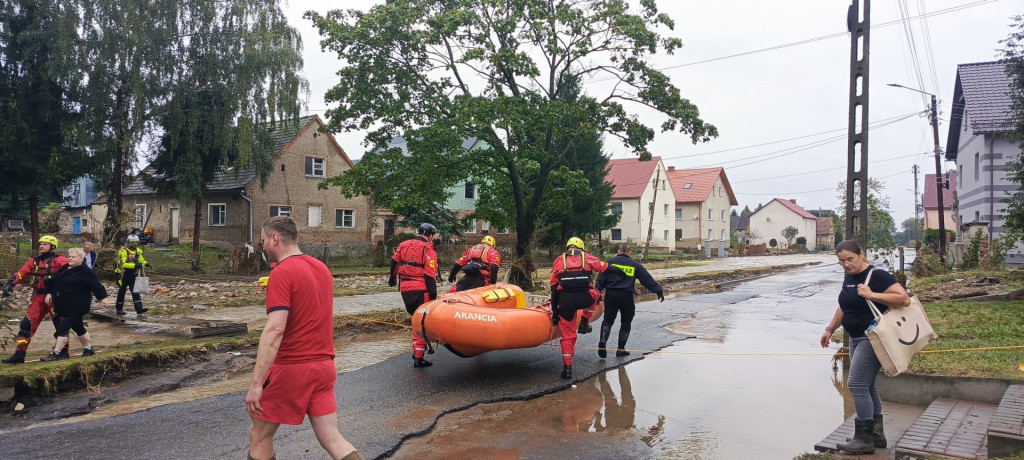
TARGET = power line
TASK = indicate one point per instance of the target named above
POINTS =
(826, 169)
(810, 191)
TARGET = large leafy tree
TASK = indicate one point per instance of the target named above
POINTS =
(242, 67)
(39, 107)
(1013, 223)
(441, 71)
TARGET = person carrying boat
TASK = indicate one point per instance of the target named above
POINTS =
(414, 269)
(34, 273)
(480, 264)
(572, 289)
(618, 293)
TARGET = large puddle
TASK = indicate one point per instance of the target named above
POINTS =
(754, 384)
(350, 354)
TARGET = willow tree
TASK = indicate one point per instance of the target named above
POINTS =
(440, 71)
(238, 76)
(39, 107)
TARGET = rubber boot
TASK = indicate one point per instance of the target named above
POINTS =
(623, 338)
(567, 371)
(420, 362)
(17, 358)
(602, 344)
(138, 307)
(879, 433)
(584, 326)
(355, 455)
(863, 441)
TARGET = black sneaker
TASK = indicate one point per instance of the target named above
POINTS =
(121, 313)
(420, 362)
(622, 353)
(64, 354)
(88, 352)
(55, 356)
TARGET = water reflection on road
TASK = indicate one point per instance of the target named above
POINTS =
(696, 399)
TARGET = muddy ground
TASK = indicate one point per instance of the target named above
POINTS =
(229, 367)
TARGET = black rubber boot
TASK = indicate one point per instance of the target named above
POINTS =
(567, 371)
(420, 362)
(602, 344)
(17, 358)
(879, 433)
(584, 326)
(138, 307)
(623, 338)
(863, 441)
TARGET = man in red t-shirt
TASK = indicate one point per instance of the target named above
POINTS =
(414, 269)
(294, 373)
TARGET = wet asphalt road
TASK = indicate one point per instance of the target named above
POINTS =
(379, 405)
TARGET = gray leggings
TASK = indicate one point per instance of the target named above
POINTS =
(864, 367)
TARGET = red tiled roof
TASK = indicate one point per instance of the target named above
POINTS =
(789, 204)
(630, 176)
(931, 199)
(824, 226)
(701, 182)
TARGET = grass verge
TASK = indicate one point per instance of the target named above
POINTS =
(967, 324)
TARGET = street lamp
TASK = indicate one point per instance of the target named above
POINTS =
(938, 170)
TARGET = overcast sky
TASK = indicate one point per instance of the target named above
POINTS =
(797, 92)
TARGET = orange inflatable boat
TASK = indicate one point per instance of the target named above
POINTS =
(486, 319)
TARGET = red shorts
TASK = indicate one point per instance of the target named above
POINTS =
(293, 391)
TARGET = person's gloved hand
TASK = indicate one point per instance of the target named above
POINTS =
(392, 281)
(148, 265)
(554, 315)
(661, 296)
(451, 278)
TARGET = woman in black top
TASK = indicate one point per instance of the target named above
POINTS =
(70, 296)
(856, 317)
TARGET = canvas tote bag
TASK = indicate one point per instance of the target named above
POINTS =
(141, 282)
(899, 335)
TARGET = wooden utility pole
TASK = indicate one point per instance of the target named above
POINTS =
(859, 23)
(917, 212)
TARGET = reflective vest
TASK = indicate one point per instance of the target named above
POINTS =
(130, 260)
(42, 270)
(574, 277)
(414, 259)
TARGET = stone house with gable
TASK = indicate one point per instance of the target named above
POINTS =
(235, 206)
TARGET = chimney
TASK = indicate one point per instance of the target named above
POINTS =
(792, 201)
(671, 168)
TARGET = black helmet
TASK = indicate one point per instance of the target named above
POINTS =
(426, 229)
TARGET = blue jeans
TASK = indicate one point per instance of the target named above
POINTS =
(864, 367)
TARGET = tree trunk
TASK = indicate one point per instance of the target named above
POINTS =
(112, 231)
(522, 269)
(33, 214)
(195, 235)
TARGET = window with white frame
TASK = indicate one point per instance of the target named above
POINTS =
(280, 211)
(615, 207)
(140, 215)
(679, 213)
(723, 215)
(711, 213)
(679, 234)
(470, 191)
(666, 235)
(616, 234)
(218, 214)
(709, 233)
(502, 231)
(471, 228)
(485, 227)
(666, 211)
(722, 237)
(315, 167)
(977, 166)
(345, 218)
(960, 177)
(315, 216)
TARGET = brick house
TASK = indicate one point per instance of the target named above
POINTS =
(236, 205)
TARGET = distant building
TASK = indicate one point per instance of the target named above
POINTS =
(642, 193)
(930, 202)
(825, 236)
(703, 208)
(769, 221)
(980, 123)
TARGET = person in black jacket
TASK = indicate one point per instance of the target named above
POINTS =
(70, 296)
(618, 296)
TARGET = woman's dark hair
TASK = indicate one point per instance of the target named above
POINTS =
(849, 245)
